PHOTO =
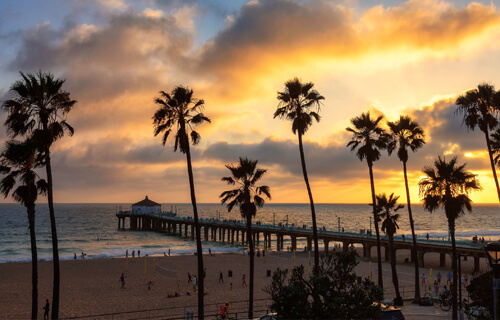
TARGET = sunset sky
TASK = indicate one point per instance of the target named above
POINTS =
(390, 57)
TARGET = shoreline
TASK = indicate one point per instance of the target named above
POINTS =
(91, 286)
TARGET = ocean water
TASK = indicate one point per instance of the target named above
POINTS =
(92, 228)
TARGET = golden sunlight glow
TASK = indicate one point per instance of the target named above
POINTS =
(390, 58)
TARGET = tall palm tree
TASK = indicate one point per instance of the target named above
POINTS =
(39, 109)
(407, 134)
(495, 146)
(181, 110)
(447, 185)
(386, 207)
(478, 107)
(368, 138)
(300, 104)
(247, 196)
(17, 164)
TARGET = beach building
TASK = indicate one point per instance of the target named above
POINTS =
(146, 206)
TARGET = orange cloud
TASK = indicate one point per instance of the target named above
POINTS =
(277, 39)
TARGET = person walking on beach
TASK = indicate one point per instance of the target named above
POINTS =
(189, 278)
(204, 274)
(244, 281)
(448, 282)
(150, 283)
(221, 277)
(133, 253)
(223, 310)
(439, 278)
(423, 280)
(138, 253)
(195, 283)
(122, 280)
(46, 308)
(210, 251)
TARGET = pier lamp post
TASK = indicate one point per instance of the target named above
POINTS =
(274, 218)
(339, 224)
(370, 226)
(493, 253)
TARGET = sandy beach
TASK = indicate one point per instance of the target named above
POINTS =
(92, 287)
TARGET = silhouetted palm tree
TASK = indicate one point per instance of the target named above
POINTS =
(478, 107)
(368, 138)
(300, 104)
(39, 110)
(447, 185)
(407, 134)
(181, 110)
(495, 146)
(17, 164)
(385, 207)
(247, 196)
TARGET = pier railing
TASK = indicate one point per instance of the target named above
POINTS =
(321, 230)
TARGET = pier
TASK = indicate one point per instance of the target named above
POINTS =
(235, 233)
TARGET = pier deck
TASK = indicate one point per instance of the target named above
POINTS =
(234, 232)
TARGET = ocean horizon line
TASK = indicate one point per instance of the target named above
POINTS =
(213, 203)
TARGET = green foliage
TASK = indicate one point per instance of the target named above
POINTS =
(481, 291)
(334, 291)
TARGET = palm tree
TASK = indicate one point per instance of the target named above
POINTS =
(17, 164)
(385, 207)
(248, 197)
(300, 104)
(39, 110)
(407, 134)
(447, 185)
(478, 107)
(495, 146)
(369, 138)
(182, 110)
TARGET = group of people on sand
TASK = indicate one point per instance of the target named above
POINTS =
(82, 256)
(464, 281)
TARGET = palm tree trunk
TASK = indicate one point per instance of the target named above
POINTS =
(395, 280)
(414, 254)
(313, 212)
(34, 262)
(55, 245)
(492, 162)
(375, 222)
(455, 284)
(199, 249)
(252, 267)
